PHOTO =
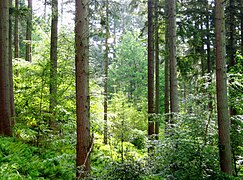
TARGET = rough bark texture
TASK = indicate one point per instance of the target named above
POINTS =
(150, 70)
(221, 87)
(53, 61)
(157, 78)
(106, 75)
(28, 55)
(174, 106)
(82, 87)
(166, 66)
(16, 31)
(11, 67)
(5, 103)
(232, 49)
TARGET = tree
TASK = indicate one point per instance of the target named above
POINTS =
(53, 59)
(174, 106)
(82, 87)
(28, 54)
(157, 77)
(106, 72)
(5, 92)
(16, 30)
(221, 87)
(150, 69)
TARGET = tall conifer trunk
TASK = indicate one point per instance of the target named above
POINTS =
(5, 102)
(53, 61)
(174, 106)
(221, 87)
(28, 53)
(150, 70)
(83, 148)
(157, 77)
(16, 30)
(106, 74)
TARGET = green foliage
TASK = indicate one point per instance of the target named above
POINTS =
(21, 161)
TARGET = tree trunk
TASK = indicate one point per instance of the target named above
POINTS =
(11, 66)
(150, 70)
(157, 79)
(221, 87)
(53, 60)
(5, 103)
(166, 66)
(83, 148)
(28, 55)
(174, 106)
(232, 49)
(16, 30)
(106, 74)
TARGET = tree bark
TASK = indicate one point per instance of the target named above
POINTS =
(82, 87)
(28, 54)
(16, 30)
(166, 66)
(150, 70)
(174, 106)
(11, 66)
(5, 103)
(53, 61)
(106, 74)
(157, 77)
(221, 87)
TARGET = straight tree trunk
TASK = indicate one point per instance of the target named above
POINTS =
(83, 148)
(11, 66)
(28, 53)
(106, 75)
(150, 70)
(166, 66)
(53, 60)
(174, 106)
(221, 87)
(232, 49)
(16, 30)
(157, 77)
(5, 103)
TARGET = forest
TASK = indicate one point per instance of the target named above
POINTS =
(121, 89)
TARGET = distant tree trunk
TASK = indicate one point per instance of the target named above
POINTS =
(166, 66)
(232, 49)
(5, 102)
(174, 106)
(209, 63)
(16, 30)
(11, 65)
(28, 55)
(106, 74)
(150, 70)
(157, 79)
(82, 87)
(53, 60)
(221, 87)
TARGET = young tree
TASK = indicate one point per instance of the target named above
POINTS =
(174, 106)
(53, 59)
(150, 69)
(221, 87)
(16, 30)
(106, 73)
(28, 55)
(5, 92)
(82, 87)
